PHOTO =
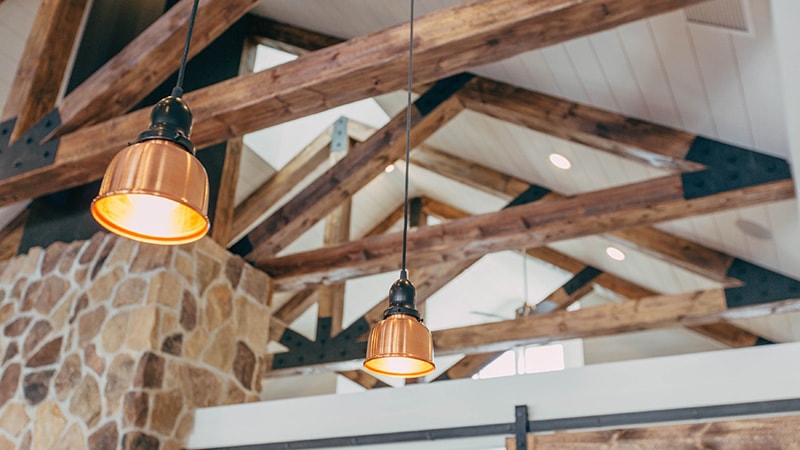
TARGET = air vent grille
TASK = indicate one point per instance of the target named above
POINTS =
(727, 14)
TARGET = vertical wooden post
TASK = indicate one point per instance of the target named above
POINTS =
(337, 230)
(226, 197)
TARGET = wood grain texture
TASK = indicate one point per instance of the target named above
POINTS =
(11, 235)
(672, 249)
(755, 433)
(44, 63)
(288, 38)
(296, 306)
(450, 41)
(305, 298)
(657, 312)
(248, 212)
(649, 313)
(638, 140)
(147, 62)
(693, 257)
(388, 222)
(468, 172)
(345, 178)
(723, 332)
(226, 197)
(530, 225)
(331, 298)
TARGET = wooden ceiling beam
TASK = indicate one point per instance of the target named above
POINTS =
(560, 299)
(528, 225)
(723, 332)
(44, 62)
(693, 257)
(427, 281)
(645, 142)
(468, 172)
(222, 230)
(226, 196)
(289, 38)
(663, 311)
(449, 42)
(11, 234)
(650, 143)
(146, 62)
(656, 312)
(251, 209)
(304, 299)
(363, 163)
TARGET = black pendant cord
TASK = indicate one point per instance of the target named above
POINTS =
(403, 271)
(177, 91)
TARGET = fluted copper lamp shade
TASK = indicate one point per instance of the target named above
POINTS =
(400, 345)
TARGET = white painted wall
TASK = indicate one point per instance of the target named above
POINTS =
(700, 379)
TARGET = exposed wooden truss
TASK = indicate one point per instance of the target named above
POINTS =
(370, 65)
(527, 225)
(450, 41)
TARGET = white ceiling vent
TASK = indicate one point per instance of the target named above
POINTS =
(731, 15)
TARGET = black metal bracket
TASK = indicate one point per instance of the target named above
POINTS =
(305, 352)
(441, 91)
(729, 168)
(581, 279)
(760, 285)
(521, 427)
(28, 152)
(532, 194)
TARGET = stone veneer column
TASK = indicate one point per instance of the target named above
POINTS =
(109, 344)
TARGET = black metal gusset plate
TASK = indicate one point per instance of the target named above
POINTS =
(729, 168)
(28, 152)
(441, 91)
(760, 285)
(304, 352)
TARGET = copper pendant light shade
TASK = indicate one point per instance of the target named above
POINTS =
(400, 345)
(155, 190)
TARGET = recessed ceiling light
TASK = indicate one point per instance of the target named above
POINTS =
(615, 253)
(560, 161)
(389, 168)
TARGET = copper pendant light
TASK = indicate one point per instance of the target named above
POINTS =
(400, 345)
(156, 191)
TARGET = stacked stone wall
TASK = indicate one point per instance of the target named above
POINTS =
(111, 344)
